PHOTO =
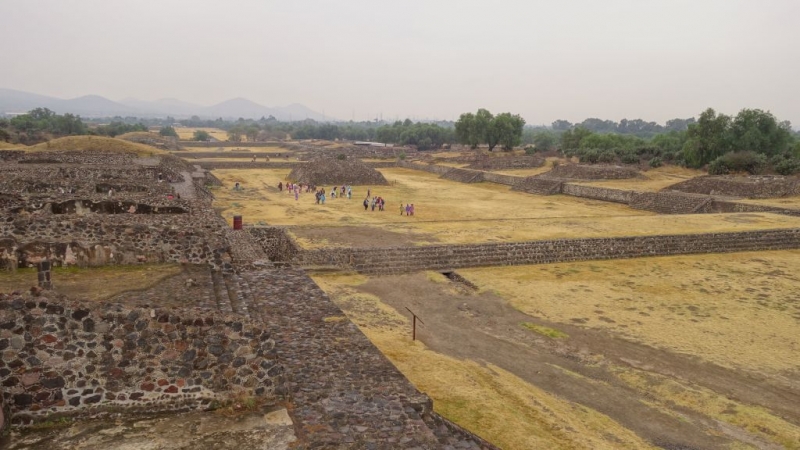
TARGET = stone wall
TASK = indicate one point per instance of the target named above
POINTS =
(508, 180)
(63, 357)
(540, 186)
(463, 175)
(114, 239)
(755, 186)
(597, 193)
(211, 165)
(278, 246)
(444, 257)
(669, 202)
(592, 172)
(505, 162)
(432, 168)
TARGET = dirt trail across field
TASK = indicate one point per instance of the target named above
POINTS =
(484, 328)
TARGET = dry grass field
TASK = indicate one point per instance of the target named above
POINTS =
(93, 284)
(187, 133)
(673, 342)
(243, 149)
(7, 146)
(451, 212)
(95, 144)
(486, 399)
(738, 310)
(653, 180)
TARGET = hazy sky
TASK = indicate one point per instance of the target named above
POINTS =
(571, 59)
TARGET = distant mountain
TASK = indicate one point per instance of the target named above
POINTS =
(12, 101)
(164, 106)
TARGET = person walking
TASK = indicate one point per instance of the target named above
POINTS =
(412, 209)
(366, 204)
(402, 208)
(280, 186)
(373, 203)
(408, 209)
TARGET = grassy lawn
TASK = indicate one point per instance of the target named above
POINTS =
(93, 284)
(187, 133)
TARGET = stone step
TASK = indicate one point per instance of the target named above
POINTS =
(220, 292)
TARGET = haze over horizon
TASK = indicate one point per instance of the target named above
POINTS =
(544, 60)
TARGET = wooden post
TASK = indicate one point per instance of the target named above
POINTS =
(414, 324)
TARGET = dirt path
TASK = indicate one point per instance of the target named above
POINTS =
(482, 327)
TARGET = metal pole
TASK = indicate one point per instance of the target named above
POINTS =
(414, 324)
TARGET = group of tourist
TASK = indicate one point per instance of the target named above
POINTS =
(376, 201)
(321, 195)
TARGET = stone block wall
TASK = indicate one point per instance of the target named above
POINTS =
(442, 257)
(508, 180)
(115, 239)
(432, 168)
(463, 175)
(73, 358)
(540, 186)
(669, 202)
(278, 246)
(597, 193)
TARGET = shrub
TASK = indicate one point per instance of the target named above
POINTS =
(788, 166)
(402, 156)
(629, 157)
(341, 156)
(590, 156)
(749, 162)
(655, 162)
(607, 156)
(530, 150)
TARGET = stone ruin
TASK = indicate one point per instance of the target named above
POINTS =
(591, 172)
(486, 162)
(322, 171)
(151, 139)
(754, 186)
(230, 324)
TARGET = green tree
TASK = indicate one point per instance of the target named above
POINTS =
(464, 130)
(544, 140)
(201, 135)
(571, 139)
(482, 128)
(507, 129)
(707, 139)
(759, 131)
(168, 131)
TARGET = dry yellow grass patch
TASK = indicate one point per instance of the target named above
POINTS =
(669, 393)
(485, 399)
(94, 284)
(187, 133)
(653, 180)
(7, 145)
(451, 212)
(783, 202)
(95, 144)
(737, 310)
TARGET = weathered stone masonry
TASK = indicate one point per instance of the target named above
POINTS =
(441, 257)
(68, 357)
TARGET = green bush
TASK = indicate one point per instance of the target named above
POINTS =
(750, 162)
(607, 156)
(788, 166)
(402, 156)
(341, 156)
(529, 150)
(655, 162)
(629, 157)
(590, 156)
